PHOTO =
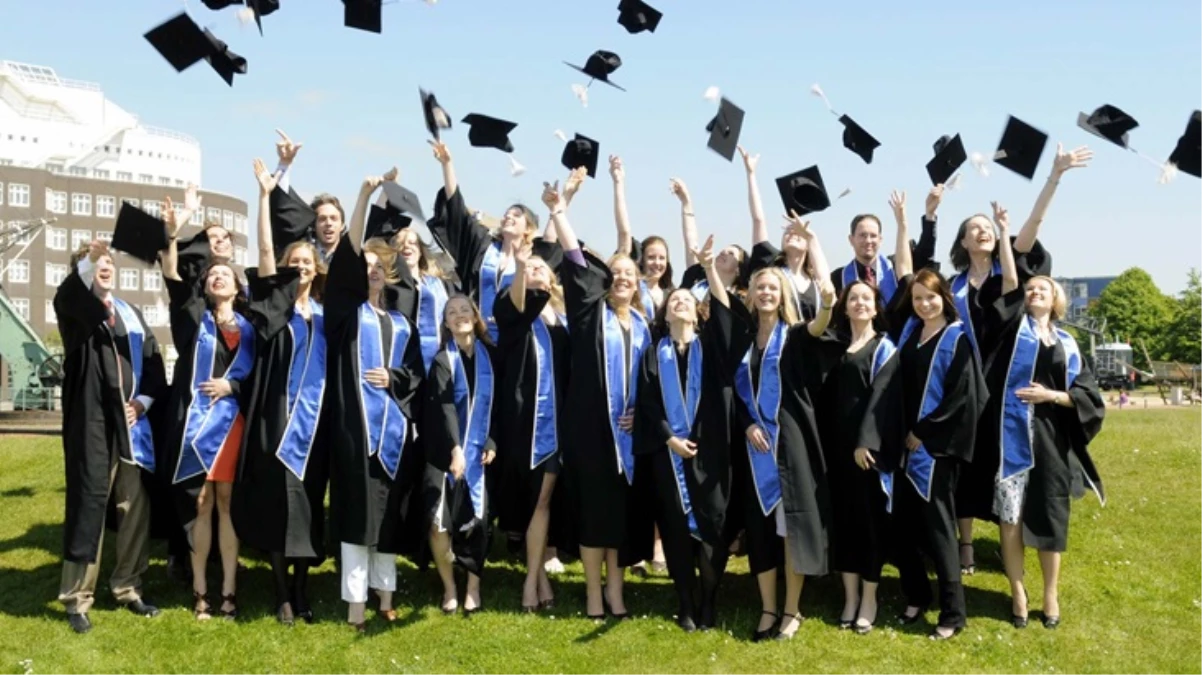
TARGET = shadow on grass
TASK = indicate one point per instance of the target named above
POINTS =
(19, 492)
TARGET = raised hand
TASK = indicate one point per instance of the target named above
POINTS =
(1001, 217)
(680, 190)
(390, 176)
(192, 199)
(441, 152)
(615, 169)
(934, 198)
(551, 197)
(96, 249)
(173, 224)
(370, 183)
(267, 181)
(749, 161)
(285, 149)
(522, 256)
(1070, 160)
(897, 203)
(795, 225)
(829, 296)
(705, 254)
(574, 181)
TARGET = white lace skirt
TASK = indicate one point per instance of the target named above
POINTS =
(1008, 497)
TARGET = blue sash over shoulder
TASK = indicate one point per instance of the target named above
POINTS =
(680, 409)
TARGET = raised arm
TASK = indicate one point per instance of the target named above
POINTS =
(1078, 158)
(823, 319)
(267, 183)
(170, 258)
(705, 258)
(903, 261)
(567, 237)
(621, 217)
(759, 226)
(517, 289)
(688, 223)
(1005, 253)
(359, 216)
(450, 184)
(285, 151)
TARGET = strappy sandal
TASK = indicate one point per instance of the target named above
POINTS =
(228, 614)
(970, 568)
(202, 609)
(761, 635)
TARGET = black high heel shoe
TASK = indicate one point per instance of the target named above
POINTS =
(1020, 622)
(761, 635)
(609, 610)
(905, 619)
(1051, 622)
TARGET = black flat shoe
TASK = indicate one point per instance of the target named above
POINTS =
(939, 637)
(1051, 622)
(80, 623)
(767, 633)
(705, 618)
(686, 623)
(598, 618)
(906, 619)
(546, 604)
(846, 624)
(142, 608)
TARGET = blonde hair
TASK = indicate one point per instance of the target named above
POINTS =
(1059, 299)
(786, 311)
(426, 263)
(317, 286)
(554, 288)
(636, 301)
(386, 255)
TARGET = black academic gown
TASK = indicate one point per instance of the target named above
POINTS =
(608, 512)
(1060, 436)
(272, 509)
(708, 474)
(451, 505)
(922, 253)
(367, 507)
(97, 381)
(519, 485)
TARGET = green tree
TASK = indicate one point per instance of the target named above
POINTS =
(1183, 335)
(1134, 308)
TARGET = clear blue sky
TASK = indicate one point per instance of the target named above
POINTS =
(908, 72)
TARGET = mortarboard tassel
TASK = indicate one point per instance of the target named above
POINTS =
(581, 93)
(817, 91)
(953, 183)
(979, 163)
(711, 94)
(246, 15)
(561, 136)
(515, 169)
(1167, 173)
(846, 191)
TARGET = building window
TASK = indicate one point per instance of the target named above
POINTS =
(240, 223)
(80, 171)
(163, 180)
(18, 272)
(239, 256)
(100, 174)
(198, 217)
(180, 183)
(214, 215)
(51, 317)
(22, 307)
(81, 204)
(152, 280)
(106, 207)
(125, 176)
(155, 315)
(80, 238)
(55, 274)
(56, 201)
(1, 194)
(104, 237)
(53, 168)
(56, 239)
(145, 178)
(18, 194)
(129, 200)
(151, 207)
(227, 220)
(129, 280)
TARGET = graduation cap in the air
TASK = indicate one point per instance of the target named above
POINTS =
(856, 139)
(1020, 148)
(217, 5)
(949, 156)
(363, 14)
(1108, 122)
(403, 199)
(261, 8)
(183, 44)
(489, 132)
(436, 117)
(385, 222)
(1187, 156)
(725, 128)
(139, 234)
(581, 151)
(803, 191)
(225, 62)
(600, 66)
(637, 16)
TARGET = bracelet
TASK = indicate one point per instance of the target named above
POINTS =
(687, 213)
(557, 212)
(827, 307)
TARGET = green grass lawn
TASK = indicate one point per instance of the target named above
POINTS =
(1129, 597)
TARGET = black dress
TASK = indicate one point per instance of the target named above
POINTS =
(368, 507)
(98, 379)
(521, 470)
(274, 508)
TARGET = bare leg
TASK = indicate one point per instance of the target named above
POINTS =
(657, 556)
(793, 585)
(385, 600)
(228, 540)
(614, 581)
(1012, 560)
(202, 541)
(867, 615)
(767, 584)
(967, 555)
(440, 547)
(592, 558)
(471, 599)
(851, 597)
(1049, 562)
(537, 588)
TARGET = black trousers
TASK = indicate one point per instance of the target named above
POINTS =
(929, 527)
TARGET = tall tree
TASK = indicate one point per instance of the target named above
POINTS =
(1183, 335)
(1134, 308)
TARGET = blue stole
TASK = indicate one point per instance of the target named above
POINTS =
(1017, 435)
(431, 300)
(886, 282)
(546, 436)
(885, 350)
(680, 410)
(764, 406)
(474, 410)
(621, 387)
(384, 423)
(141, 441)
(208, 421)
(920, 465)
(960, 287)
(492, 280)
(306, 389)
(648, 300)
(700, 290)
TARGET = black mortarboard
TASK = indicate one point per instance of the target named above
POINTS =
(262, 8)
(581, 151)
(216, 5)
(637, 16)
(489, 132)
(1108, 122)
(363, 14)
(180, 41)
(139, 234)
(949, 155)
(856, 139)
(1020, 148)
(403, 199)
(436, 117)
(225, 62)
(1188, 153)
(600, 66)
(803, 191)
(385, 222)
(725, 128)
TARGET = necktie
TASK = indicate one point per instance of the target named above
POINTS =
(870, 275)
(112, 320)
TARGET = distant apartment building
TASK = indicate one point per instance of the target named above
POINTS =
(1082, 291)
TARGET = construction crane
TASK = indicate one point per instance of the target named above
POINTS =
(34, 370)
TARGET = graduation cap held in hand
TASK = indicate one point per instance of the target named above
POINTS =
(1020, 148)
(489, 132)
(725, 128)
(949, 156)
(600, 66)
(803, 191)
(1108, 122)
(436, 117)
(637, 16)
(139, 234)
(581, 151)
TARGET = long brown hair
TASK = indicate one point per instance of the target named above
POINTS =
(387, 257)
(842, 323)
(935, 283)
(660, 325)
(786, 311)
(479, 328)
(959, 255)
(665, 280)
(241, 301)
(318, 285)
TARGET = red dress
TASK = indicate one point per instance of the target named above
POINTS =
(226, 465)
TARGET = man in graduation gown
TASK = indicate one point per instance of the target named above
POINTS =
(113, 373)
(877, 268)
(322, 221)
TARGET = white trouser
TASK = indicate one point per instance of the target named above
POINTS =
(362, 568)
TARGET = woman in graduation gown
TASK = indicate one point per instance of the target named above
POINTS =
(278, 500)
(976, 286)
(373, 371)
(534, 346)
(684, 426)
(943, 394)
(1050, 410)
(608, 338)
(651, 254)
(459, 413)
(215, 334)
(787, 495)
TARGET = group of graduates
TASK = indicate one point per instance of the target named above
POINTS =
(819, 420)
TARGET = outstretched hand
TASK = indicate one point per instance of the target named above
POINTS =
(616, 171)
(551, 197)
(795, 225)
(441, 152)
(897, 202)
(285, 149)
(575, 179)
(267, 181)
(934, 199)
(1070, 160)
(705, 254)
(1001, 217)
(680, 190)
(749, 161)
